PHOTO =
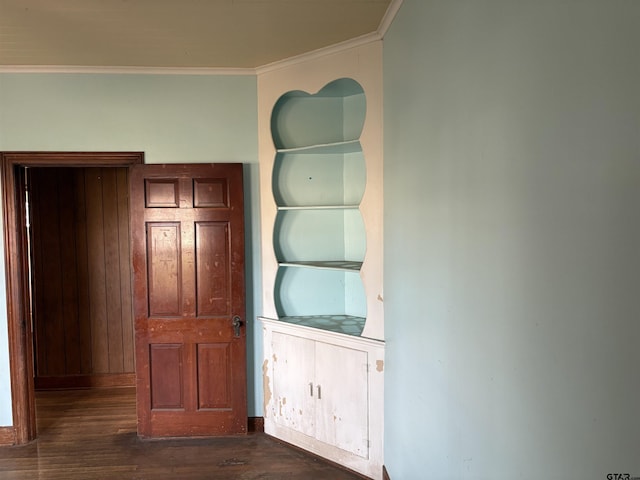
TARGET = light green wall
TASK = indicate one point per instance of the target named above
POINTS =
(173, 119)
(512, 236)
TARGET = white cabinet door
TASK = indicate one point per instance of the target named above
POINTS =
(321, 390)
(293, 388)
(342, 398)
(324, 393)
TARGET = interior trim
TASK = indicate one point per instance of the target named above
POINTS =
(217, 71)
(7, 436)
(318, 457)
(321, 52)
(20, 352)
(255, 425)
(389, 16)
(385, 23)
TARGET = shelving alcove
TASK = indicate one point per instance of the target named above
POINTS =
(320, 130)
(319, 178)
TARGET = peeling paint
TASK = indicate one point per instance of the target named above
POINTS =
(380, 299)
(275, 358)
(266, 387)
(379, 365)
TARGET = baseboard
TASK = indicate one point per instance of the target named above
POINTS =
(385, 474)
(86, 381)
(255, 425)
(320, 458)
(7, 436)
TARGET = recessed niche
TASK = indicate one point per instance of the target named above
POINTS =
(319, 179)
(328, 235)
(334, 114)
(312, 292)
(318, 182)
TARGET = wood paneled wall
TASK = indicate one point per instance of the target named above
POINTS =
(83, 323)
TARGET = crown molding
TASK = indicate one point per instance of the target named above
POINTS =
(385, 23)
(389, 16)
(320, 52)
(379, 34)
(126, 70)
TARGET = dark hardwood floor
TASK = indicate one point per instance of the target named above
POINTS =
(91, 434)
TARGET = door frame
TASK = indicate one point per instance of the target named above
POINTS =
(16, 268)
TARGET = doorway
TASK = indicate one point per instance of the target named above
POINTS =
(81, 311)
(18, 286)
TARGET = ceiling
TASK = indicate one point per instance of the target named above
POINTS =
(178, 33)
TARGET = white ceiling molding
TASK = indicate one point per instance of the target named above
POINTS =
(338, 47)
(127, 70)
(389, 15)
(385, 23)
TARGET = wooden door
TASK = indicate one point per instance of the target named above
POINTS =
(189, 299)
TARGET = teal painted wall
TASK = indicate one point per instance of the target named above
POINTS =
(173, 119)
(512, 234)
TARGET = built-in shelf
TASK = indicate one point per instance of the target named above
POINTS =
(345, 324)
(303, 121)
(319, 234)
(319, 207)
(321, 185)
(350, 146)
(327, 265)
(318, 182)
(318, 179)
(302, 290)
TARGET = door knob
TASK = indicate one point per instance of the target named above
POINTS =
(236, 323)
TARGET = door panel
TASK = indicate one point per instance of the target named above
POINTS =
(166, 363)
(213, 379)
(212, 269)
(163, 261)
(188, 260)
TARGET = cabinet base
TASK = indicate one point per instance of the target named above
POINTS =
(318, 457)
(298, 361)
